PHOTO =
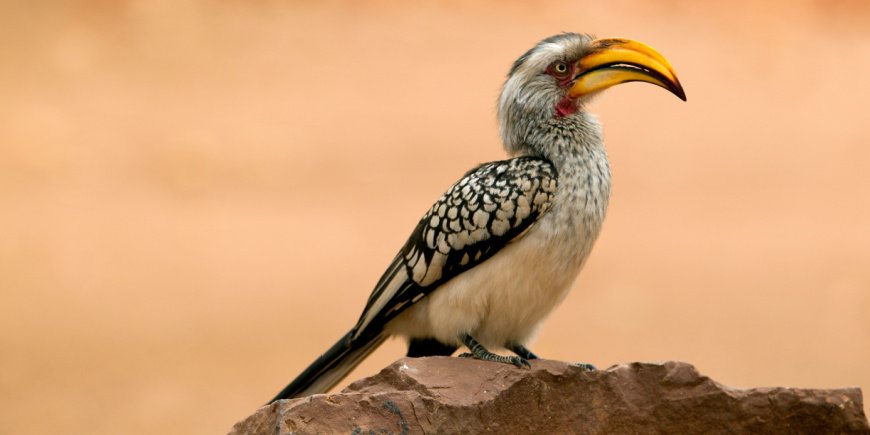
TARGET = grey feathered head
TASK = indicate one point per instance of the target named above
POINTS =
(548, 84)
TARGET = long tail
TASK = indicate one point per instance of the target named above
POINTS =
(331, 367)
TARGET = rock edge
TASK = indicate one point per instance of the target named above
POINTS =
(458, 395)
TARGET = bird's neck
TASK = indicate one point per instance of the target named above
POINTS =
(574, 145)
(567, 141)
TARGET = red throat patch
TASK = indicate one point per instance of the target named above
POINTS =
(566, 106)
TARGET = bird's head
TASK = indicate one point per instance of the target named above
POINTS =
(550, 83)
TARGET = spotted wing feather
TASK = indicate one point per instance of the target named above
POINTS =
(489, 207)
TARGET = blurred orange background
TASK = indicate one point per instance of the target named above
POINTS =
(196, 197)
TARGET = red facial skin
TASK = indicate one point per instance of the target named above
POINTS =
(566, 106)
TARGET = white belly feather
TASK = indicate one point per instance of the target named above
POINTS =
(504, 299)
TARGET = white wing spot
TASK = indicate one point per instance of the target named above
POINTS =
(500, 227)
(523, 211)
(523, 201)
(435, 269)
(479, 235)
(419, 270)
(461, 240)
(507, 206)
(480, 218)
(443, 246)
(430, 238)
(527, 184)
(464, 260)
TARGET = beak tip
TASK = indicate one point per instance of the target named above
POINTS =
(679, 92)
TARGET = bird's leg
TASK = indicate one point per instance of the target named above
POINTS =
(477, 351)
(521, 350)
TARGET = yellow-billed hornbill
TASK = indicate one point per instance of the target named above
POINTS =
(502, 247)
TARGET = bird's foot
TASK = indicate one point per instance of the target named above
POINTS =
(477, 351)
(521, 350)
(585, 366)
(489, 356)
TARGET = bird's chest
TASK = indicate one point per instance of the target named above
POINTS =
(543, 265)
(578, 212)
(504, 298)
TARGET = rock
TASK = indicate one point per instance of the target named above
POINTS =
(458, 395)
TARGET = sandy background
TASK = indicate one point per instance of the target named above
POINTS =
(197, 197)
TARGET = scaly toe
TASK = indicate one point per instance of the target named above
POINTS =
(520, 362)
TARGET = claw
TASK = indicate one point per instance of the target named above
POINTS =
(586, 367)
(520, 362)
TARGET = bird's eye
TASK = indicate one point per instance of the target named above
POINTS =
(558, 69)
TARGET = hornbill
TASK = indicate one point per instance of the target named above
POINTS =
(501, 248)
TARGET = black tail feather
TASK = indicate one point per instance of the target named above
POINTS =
(331, 367)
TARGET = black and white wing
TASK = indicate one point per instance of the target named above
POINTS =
(489, 207)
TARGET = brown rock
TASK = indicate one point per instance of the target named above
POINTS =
(457, 395)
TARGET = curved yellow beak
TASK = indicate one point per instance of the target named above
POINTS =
(613, 61)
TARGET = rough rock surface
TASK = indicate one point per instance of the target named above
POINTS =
(457, 395)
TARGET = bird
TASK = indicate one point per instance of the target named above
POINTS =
(501, 248)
